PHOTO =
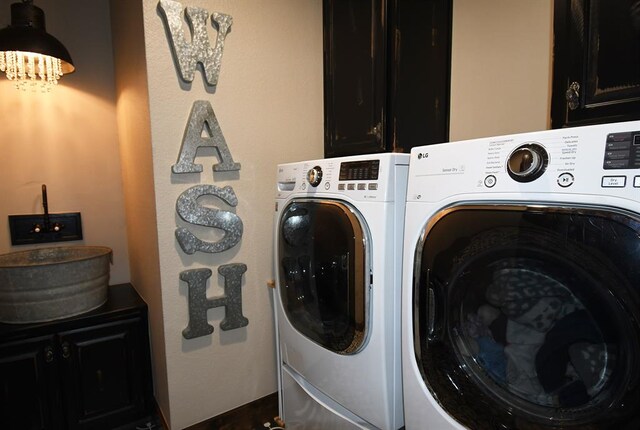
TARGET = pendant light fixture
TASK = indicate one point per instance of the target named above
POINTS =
(28, 54)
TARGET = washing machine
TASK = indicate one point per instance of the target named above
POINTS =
(338, 250)
(521, 282)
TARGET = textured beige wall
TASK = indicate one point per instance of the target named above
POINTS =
(67, 138)
(137, 171)
(500, 67)
(269, 105)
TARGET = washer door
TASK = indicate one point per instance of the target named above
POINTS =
(322, 259)
(528, 317)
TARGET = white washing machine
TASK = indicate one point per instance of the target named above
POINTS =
(338, 249)
(521, 282)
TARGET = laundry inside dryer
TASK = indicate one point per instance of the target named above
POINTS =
(522, 306)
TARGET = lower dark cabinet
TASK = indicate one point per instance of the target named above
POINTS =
(28, 399)
(87, 372)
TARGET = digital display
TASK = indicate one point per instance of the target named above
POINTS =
(360, 170)
(622, 151)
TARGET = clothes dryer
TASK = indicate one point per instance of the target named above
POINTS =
(521, 282)
(338, 250)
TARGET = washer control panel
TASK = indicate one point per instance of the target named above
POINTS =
(596, 160)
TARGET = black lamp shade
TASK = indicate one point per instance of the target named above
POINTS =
(27, 34)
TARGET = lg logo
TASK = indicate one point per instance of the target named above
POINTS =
(422, 155)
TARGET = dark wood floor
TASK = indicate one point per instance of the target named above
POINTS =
(251, 416)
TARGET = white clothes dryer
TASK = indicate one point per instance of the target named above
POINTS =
(521, 282)
(338, 249)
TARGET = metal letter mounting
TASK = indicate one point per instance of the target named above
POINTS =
(189, 210)
(189, 54)
(202, 115)
(199, 304)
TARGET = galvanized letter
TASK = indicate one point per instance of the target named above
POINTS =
(199, 304)
(189, 210)
(202, 115)
(188, 55)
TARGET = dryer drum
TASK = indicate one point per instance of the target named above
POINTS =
(534, 318)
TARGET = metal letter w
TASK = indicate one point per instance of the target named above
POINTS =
(189, 54)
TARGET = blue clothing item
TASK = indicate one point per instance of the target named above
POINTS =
(491, 356)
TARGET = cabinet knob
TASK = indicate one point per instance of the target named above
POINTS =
(377, 132)
(48, 354)
(66, 350)
(573, 96)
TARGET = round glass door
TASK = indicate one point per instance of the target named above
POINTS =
(323, 262)
(528, 317)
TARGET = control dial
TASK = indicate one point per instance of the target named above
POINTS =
(527, 162)
(314, 176)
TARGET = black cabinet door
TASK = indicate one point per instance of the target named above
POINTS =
(103, 371)
(354, 76)
(386, 75)
(418, 89)
(28, 398)
(596, 76)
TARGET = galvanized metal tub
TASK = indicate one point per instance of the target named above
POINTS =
(46, 284)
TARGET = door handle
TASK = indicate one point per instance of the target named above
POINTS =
(572, 95)
(48, 354)
(66, 350)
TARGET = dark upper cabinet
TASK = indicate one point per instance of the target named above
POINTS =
(386, 74)
(91, 371)
(596, 72)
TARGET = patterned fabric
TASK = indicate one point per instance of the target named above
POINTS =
(529, 296)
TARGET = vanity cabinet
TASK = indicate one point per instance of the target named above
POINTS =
(386, 74)
(91, 371)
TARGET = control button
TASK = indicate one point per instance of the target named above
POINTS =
(490, 181)
(636, 181)
(614, 181)
(351, 186)
(527, 162)
(616, 155)
(314, 176)
(327, 185)
(616, 164)
(619, 137)
(362, 187)
(303, 186)
(341, 187)
(373, 187)
(618, 146)
(565, 179)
